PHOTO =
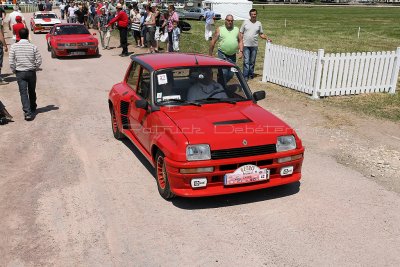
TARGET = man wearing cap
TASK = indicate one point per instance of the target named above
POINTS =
(123, 21)
(16, 27)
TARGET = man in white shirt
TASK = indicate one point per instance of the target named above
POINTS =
(71, 13)
(62, 9)
(12, 18)
(250, 31)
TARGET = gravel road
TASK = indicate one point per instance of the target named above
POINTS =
(72, 195)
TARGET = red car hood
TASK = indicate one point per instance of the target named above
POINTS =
(75, 38)
(227, 126)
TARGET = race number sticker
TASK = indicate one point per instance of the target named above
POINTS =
(162, 79)
(171, 97)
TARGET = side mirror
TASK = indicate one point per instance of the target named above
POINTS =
(259, 95)
(142, 104)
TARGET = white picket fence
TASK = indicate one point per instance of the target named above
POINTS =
(322, 75)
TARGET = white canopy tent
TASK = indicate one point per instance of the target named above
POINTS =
(238, 8)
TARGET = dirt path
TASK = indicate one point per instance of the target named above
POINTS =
(71, 195)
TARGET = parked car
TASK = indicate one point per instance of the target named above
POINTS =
(183, 25)
(198, 14)
(71, 39)
(194, 118)
(43, 21)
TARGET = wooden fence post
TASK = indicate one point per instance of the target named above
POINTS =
(318, 72)
(395, 72)
(267, 60)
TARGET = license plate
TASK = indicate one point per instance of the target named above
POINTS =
(77, 53)
(246, 174)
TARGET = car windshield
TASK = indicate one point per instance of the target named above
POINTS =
(199, 85)
(71, 29)
(46, 16)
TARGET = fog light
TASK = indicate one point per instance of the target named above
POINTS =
(285, 159)
(290, 158)
(198, 182)
(288, 170)
(197, 170)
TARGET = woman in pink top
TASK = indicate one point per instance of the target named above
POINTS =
(173, 16)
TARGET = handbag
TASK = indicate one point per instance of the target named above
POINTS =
(164, 37)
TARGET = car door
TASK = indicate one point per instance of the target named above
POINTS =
(138, 116)
(192, 13)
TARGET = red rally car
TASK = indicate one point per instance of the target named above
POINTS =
(71, 39)
(196, 121)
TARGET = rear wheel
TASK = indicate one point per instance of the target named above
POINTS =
(201, 18)
(116, 132)
(162, 177)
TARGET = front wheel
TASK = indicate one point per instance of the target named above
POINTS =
(53, 53)
(116, 132)
(162, 177)
(48, 47)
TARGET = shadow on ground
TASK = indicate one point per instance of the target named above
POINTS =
(224, 200)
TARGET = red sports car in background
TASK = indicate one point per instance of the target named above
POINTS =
(196, 121)
(43, 21)
(71, 39)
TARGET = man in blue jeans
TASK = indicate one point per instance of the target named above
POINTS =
(250, 31)
(24, 61)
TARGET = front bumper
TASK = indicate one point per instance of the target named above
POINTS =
(76, 51)
(180, 183)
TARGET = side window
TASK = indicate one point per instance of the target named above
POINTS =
(133, 76)
(144, 85)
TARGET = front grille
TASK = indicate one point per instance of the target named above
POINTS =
(124, 107)
(243, 152)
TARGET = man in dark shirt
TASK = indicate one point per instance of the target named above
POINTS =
(80, 16)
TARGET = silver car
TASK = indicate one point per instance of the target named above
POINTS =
(197, 13)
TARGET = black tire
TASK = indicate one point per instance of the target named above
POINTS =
(48, 47)
(53, 54)
(114, 126)
(201, 18)
(162, 177)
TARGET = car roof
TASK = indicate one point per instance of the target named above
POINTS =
(44, 12)
(172, 60)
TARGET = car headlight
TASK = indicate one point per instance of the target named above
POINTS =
(285, 143)
(198, 152)
(61, 45)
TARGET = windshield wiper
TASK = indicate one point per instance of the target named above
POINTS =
(179, 101)
(220, 100)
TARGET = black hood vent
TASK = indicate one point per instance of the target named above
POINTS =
(232, 122)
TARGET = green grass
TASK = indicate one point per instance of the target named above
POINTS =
(332, 28)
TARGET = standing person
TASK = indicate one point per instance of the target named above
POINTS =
(16, 27)
(102, 22)
(173, 16)
(62, 10)
(2, 19)
(71, 13)
(150, 24)
(157, 16)
(176, 35)
(135, 22)
(230, 43)
(49, 5)
(3, 48)
(250, 31)
(25, 60)
(123, 21)
(209, 16)
(80, 15)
